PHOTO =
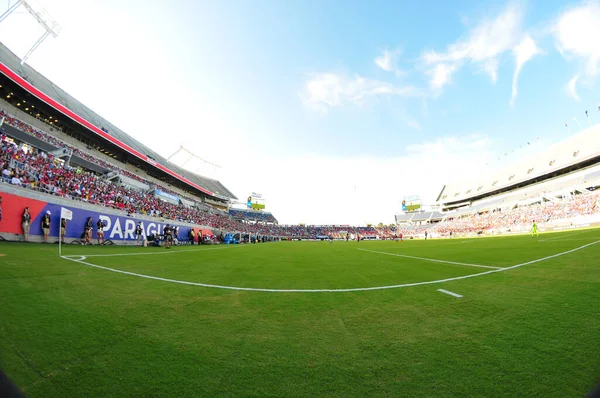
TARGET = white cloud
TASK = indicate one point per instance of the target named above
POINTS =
(329, 90)
(387, 62)
(441, 74)
(491, 68)
(483, 46)
(523, 53)
(577, 32)
(413, 124)
(572, 88)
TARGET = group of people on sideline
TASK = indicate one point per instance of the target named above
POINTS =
(170, 233)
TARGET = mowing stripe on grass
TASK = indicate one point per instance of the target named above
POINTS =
(561, 237)
(357, 289)
(449, 292)
(154, 253)
(429, 259)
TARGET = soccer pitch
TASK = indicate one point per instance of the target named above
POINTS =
(518, 316)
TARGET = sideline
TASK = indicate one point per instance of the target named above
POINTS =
(358, 289)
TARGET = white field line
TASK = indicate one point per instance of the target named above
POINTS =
(154, 253)
(357, 289)
(560, 237)
(430, 259)
(449, 292)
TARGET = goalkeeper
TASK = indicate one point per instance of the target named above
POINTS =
(534, 230)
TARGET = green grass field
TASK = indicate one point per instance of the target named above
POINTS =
(70, 329)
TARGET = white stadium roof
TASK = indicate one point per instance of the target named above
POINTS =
(576, 149)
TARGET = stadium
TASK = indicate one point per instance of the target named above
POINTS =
(125, 274)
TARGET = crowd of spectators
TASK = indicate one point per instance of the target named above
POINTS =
(57, 143)
(252, 215)
(521, 217)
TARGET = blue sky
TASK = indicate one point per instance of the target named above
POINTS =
(333, 110)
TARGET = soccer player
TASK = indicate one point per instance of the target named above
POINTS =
(534, 230)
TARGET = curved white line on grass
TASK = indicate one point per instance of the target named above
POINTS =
(429, 259)
(356, 289)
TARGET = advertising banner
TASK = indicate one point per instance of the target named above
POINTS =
(117, 227)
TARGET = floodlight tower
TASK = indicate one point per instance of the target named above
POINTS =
(51, 27)
(192, 156)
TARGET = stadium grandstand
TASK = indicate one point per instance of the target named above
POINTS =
(55, 146)
(552, 188)
(35, 99)
(253, 216)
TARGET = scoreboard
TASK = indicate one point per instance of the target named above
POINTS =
(411, 203)
(255, 201)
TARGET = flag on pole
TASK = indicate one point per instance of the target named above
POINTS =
(66, 214)
(586, 113)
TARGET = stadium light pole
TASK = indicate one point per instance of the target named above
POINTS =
(10, 10)
(51, 27)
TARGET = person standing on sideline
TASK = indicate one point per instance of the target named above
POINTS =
(25, 224)
(100, 226)
(46, 225)
(87, 232)
(138, 233)
(0, 208)
(168, 231)
(63, 229)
